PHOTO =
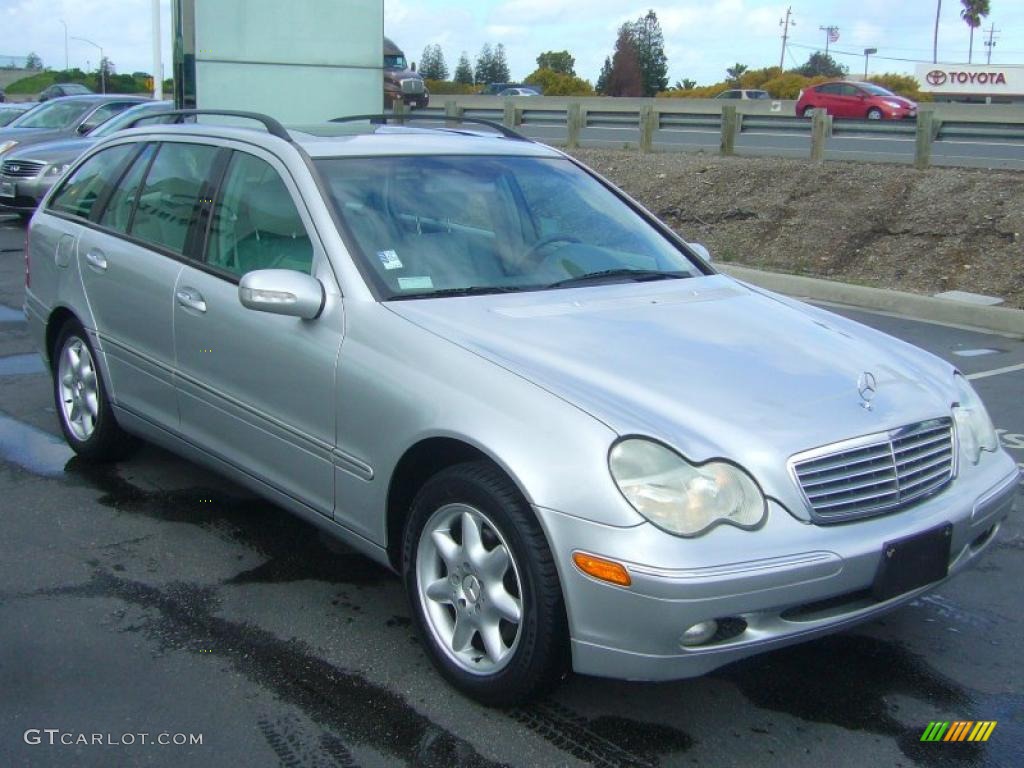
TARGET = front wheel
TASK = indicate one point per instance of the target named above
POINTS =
(874, 114)
(85, 414)
(809, 111)
(483, 587)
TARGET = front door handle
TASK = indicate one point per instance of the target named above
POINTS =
(191, 299)
(96, 260)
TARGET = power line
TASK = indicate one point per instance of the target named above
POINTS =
(858, 54)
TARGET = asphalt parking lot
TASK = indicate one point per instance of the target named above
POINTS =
(155, 598)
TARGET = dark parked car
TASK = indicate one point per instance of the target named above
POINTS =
(32, 170)
(57, 90)
(859, 100)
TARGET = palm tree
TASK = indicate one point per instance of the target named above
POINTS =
(735, 72)
(973, 12)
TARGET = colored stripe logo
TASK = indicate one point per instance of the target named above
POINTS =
(959, 730)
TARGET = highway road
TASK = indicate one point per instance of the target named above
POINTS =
(155, 598)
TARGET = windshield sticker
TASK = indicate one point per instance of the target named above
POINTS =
(389, 259)
(415, 283)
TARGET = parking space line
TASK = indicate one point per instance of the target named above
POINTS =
(996, 371)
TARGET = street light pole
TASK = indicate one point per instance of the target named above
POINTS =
(67, 60)
(158, 64)
(103, 59)
(867, 53)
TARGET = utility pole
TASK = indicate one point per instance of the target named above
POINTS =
(991, 42)
(158, 63)
(831, 36)
(785, 24)
(67, 61)
(935, 39)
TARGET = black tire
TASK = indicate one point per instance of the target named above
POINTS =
(107, 441)
(541, 657)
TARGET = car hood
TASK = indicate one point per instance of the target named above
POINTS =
(52, 152)
(708, 365)
(32, 135)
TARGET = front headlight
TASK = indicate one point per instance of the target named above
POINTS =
(58, 169)
(974, 428)
(7, 145)
(682, 498)
(893, 104)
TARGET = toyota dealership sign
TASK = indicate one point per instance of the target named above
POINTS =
(974, 80)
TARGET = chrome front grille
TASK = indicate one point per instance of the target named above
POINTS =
(21, 169)
(412, 85)
(878, 473)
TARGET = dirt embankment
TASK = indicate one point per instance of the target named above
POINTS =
(888, 226)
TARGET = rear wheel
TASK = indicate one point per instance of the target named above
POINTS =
(86, 418)
(874, 114)
(483, 586)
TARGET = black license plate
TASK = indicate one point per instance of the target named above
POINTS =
(913, 562)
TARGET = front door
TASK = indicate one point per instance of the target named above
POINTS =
(257, 389)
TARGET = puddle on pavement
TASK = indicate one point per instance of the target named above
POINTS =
(33, 449)
(181, 617)
(845, 680)
(295, 550)
(21, 365)
(11, 315)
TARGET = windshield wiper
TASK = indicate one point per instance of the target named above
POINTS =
(636, 275)
(470, 290)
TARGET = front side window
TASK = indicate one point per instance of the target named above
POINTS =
(431, 225)
(118, 211)
(53, 116)
(255, 222)
(170, 196)
(92, 181)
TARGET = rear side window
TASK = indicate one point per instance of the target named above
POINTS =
(91, 182)
(118, 211)
(255, 222)
(170, 196)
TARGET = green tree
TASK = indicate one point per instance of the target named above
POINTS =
(685, 84)
(559, 84)
(650, 51)
(557, 61)
(972, 13)
(735, 72)
(820, 64)
(32, 61)
(625, 77)
(484, 65)
(499, 66)
(602, 79)
(432, 64)
(463, 70)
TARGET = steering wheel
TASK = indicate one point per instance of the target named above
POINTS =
(531, 255)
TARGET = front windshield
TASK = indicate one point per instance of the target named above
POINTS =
(429, 225)
(395, 62)
(53, 115)
(877, 90)
(118, 122)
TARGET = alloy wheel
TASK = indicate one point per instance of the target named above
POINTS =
(79, 388)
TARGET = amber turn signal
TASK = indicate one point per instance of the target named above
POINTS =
(599, 568)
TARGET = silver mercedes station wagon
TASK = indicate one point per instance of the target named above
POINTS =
(478, 362)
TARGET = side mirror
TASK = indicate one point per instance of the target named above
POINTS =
(84, 128)
(702, 251)
(282, 292)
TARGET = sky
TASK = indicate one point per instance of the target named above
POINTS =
(702, 37)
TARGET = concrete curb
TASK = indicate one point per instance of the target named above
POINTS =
(999, 319)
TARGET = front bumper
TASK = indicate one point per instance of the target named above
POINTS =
(27, 193)
(816, 581)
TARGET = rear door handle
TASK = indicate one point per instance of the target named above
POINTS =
(96, 260)
(191, 299)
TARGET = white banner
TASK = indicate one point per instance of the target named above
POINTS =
(976, 79)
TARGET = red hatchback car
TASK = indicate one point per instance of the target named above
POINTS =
(863, 100)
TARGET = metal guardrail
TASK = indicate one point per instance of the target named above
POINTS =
(651, 125)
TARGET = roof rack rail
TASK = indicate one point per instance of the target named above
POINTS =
(382, 119)
(273, 127)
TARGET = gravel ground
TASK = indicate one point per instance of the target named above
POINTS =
(888, 226)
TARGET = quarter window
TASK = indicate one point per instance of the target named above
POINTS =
(170, 196)
(255, 222)
(93, 179)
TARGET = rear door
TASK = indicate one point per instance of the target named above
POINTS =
(128, 285)
(256, 389)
